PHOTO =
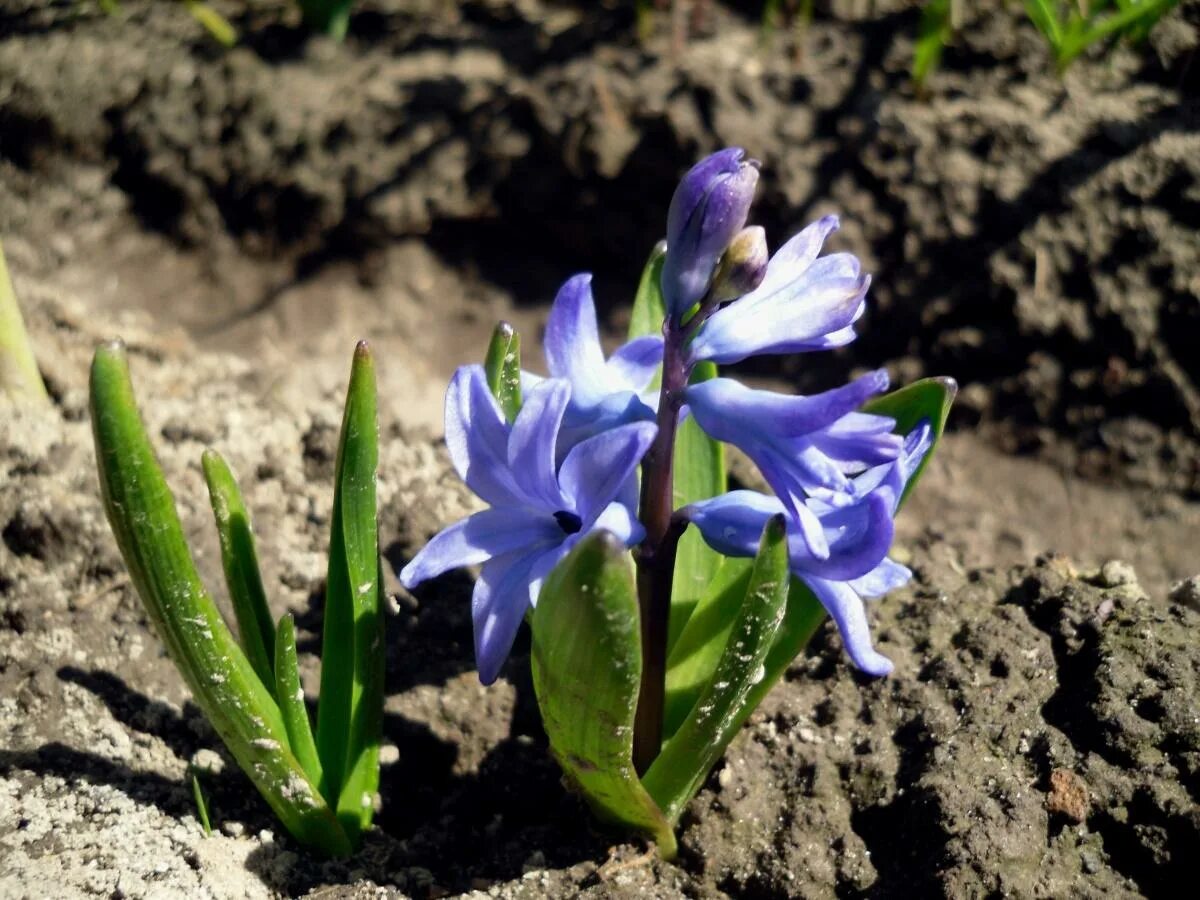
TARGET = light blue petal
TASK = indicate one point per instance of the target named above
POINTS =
(479, 537)
(477, 438)
(533, 443)
(634, 365)
(846, 609)
(498, 605)
(885, 577)
(595, 470)
(618, 518)
(790, 260)
(572, 342)
(733, 523)
(859, 538)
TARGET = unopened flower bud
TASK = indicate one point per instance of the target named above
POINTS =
(707, 212)
(743, 266)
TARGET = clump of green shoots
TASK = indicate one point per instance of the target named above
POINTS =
(322, 785)
(1069, 26)
(20, 379)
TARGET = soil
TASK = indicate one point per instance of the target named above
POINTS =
(230, 213)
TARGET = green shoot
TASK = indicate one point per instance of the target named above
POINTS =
(20, 379)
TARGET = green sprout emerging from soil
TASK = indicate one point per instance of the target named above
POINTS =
(329, 17)
(20, 379)
(322, 785)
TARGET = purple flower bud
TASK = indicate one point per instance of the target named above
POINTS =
(708, 210)
(744, 265)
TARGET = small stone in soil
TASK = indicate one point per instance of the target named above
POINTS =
(1068, 795)
(1187, 592)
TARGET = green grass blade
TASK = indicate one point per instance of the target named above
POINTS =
(699, 475)
(503, 369)
(587, 669)
(1045, 18)
(213, 22)
(141, 512)
(350, 709)
(19, 375)
(933, 32)
(201, 806)
(700, 741)
(240, 562)
(330, 17)
(929, 398)
(290, 693)
(649, 309)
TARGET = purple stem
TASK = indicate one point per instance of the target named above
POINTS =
(656, 555)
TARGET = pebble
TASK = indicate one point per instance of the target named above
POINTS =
(1115, 573)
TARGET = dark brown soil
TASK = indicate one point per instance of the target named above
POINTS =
(452, 163)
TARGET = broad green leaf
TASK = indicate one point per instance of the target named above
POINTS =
(290, 694)
(350, 708)
(503, 369)
(719, 712)
(19, 375)
(649, 308)
(701, 643)
(929, 398)
(699, 475)
(587, 669)
(141, 512)
(240, 562)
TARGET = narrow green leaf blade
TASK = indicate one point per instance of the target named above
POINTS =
(701, 740)
(503, 369)
(587, 666)
(649, 308)
(141, 512)
(350, 709)
(290, 693)
(699, 475)
(929, 398)
(19, 375)
(213, 22)
(201, 806)
(240, 562)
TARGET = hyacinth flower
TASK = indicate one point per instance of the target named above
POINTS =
(321, 782)
(538, 509)
(605, 393)
(654, 640)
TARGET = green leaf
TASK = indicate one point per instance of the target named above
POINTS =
(330, 17)
(503, 369)
(699, 475)
(240, 562)
(929, 398)
(587, 668)
(649, 308)
(19, 375)
(701, 643)
(721, 709)
(201, 806)
(350, 708)
(141, 512)
(933, 32)
(213, 22)
(290, 694)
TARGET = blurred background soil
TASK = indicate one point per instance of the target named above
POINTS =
(243, 216)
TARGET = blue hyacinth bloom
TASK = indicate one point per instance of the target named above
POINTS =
(708, 210)
(539, 509)
(805, 447)
(803, 303)
(605, 393)
(858, 538)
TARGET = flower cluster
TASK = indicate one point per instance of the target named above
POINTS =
(567, 464)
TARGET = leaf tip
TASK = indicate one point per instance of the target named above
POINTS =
(949, 385)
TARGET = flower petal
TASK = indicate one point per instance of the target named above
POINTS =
(479, 537)
(618, 518)
(477, 438)
(572, 341)
(859, 538)
(848, 613)
(733, 523)
(887, 576)
(634, 365)
(533, 443)
(498, 606)
(595, 470)
(796, 255)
